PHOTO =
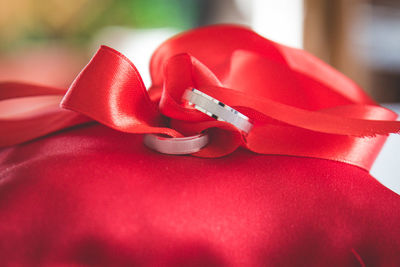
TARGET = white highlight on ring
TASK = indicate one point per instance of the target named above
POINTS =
(176, 145)
(217, 110)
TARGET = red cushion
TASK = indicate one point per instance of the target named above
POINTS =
(92, 196)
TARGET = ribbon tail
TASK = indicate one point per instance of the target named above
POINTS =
(110, 90)
(311, 120)
(9, 90)
(28, 111)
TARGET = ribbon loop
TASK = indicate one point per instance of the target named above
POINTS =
(293, 103)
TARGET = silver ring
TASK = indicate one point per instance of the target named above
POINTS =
(217, 110)
(176, 145)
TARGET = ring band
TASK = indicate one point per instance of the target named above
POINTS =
(217, 110)
(176, 145)
(192, 144)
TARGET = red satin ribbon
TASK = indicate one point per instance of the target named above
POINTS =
(299, 105)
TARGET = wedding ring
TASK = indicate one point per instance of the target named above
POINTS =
(176, 145)
(192, 144)
(217, 110)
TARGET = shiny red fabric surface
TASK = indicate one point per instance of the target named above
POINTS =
(92, 196)
(96, 196)
(299, 105)
(289, 94)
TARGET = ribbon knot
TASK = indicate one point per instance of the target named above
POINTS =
(299, 106)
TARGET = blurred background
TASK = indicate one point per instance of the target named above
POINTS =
(49, 41)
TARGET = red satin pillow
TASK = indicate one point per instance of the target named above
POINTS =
(92, 196)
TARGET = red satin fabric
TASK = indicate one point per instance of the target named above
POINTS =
(29, 111)
(92, 196)
(295, 110)
(299, 105)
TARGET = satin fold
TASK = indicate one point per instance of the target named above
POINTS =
(299, 105)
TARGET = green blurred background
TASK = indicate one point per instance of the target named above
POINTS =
(74, 22)
(49, 41)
